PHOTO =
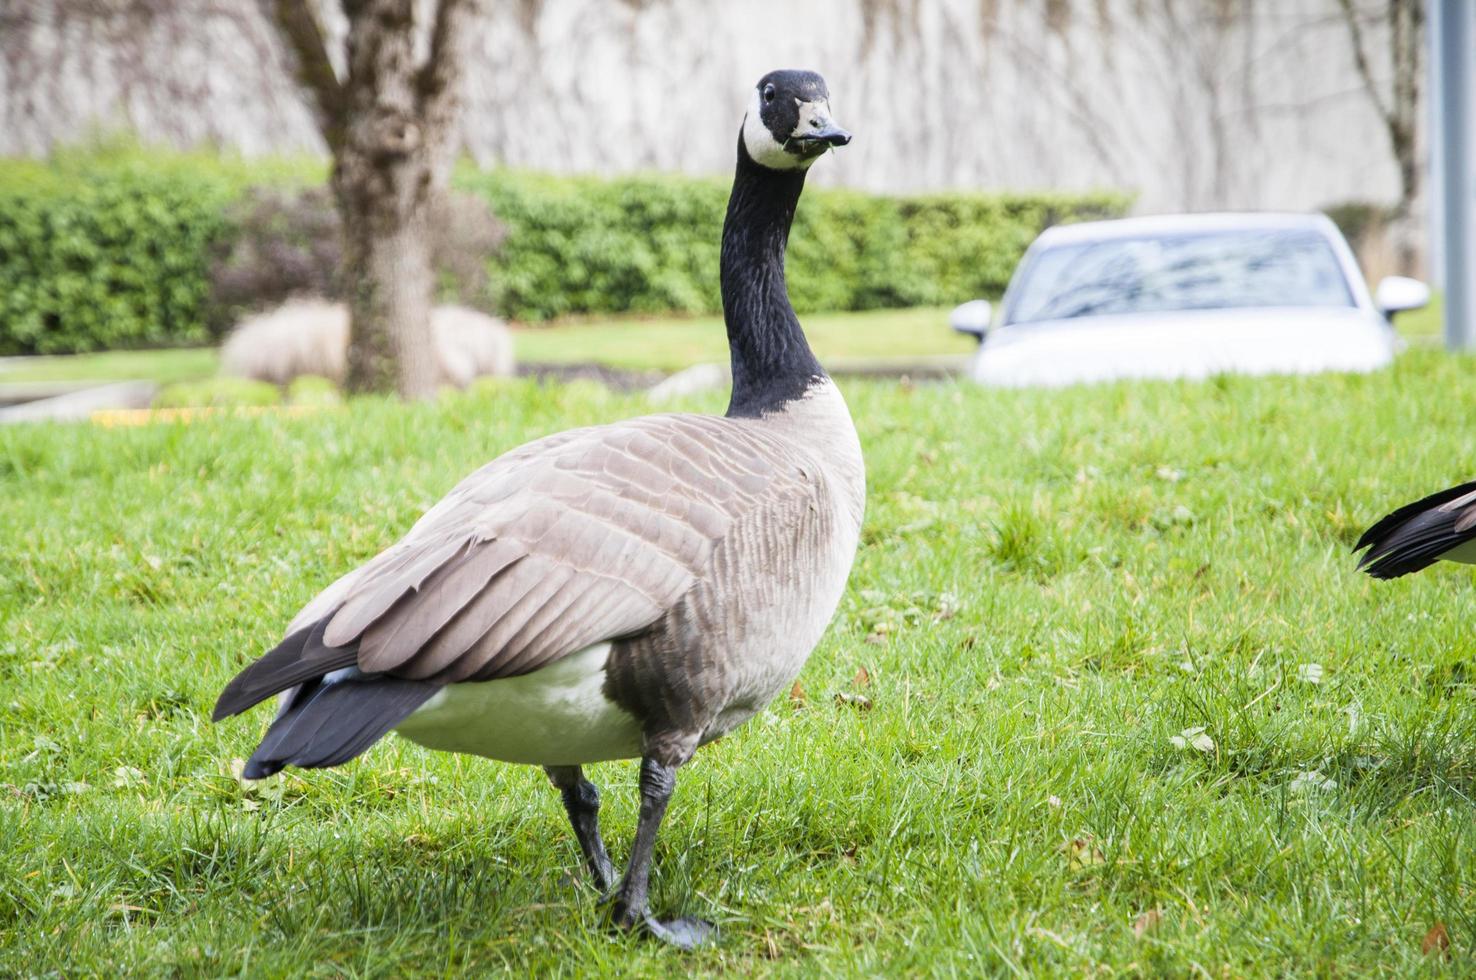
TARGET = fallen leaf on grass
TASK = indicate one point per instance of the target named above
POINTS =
(862, 678)
(1082, 852)
(858, 701)
(1193, 738)
(1147, 922)
(254, 791)
(797, 695)
(126, 776)
(125, 908)
(1436, 941)
(1310, 781)
(41, 745)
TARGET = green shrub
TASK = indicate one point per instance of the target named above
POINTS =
(108, 247)
(95, 260)
(117, 247)
(650, 244)
(582, 245)
(286, 242)
(1358, 219)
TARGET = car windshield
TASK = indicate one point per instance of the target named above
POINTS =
(1164, 273)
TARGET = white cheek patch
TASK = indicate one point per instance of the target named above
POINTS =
(760, 143)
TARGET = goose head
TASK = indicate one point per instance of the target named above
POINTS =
(788, 126)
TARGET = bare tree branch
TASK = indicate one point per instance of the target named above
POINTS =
(1406, 19)
(440, 81)
(298, 25)
(1360, 60)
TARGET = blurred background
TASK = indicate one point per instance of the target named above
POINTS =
(167, 165)
(1188, 104)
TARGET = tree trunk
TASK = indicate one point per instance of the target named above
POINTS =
(392, 161)
(390, 284)
(390, 124)
(1400, 110)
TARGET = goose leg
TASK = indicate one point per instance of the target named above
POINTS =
(582, 801)
(629, 909)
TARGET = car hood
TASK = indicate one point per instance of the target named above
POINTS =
(1192, 344)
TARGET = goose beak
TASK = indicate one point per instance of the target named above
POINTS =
(828, 135)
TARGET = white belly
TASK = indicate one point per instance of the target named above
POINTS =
(555, 716)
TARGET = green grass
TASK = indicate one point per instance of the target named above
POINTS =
(165, 366)
(661, 344)
(1424, 326)
(1052, 587)
(671, 344)
(665, 344)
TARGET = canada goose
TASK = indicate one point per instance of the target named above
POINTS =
(1440, 526)
(622, 591)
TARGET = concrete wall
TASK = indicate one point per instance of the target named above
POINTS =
(1192, 103)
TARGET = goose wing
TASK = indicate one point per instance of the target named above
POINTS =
(1418, 534)
(584, 536)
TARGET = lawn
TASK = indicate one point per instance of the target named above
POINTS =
(665, 344)
(165, 366)
(661, 344)
(1131, 709)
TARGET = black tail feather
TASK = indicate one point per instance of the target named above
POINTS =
(337, 723)
(1415, 535)
(300, 658)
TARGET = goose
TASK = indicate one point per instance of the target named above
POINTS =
(1440, 526)
(632, 590)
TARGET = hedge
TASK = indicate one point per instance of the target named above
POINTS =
(650, 244)
(104, 250)
(109, 248)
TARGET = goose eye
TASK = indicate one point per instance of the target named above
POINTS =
(769, 92)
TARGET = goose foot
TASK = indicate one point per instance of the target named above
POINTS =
(628, 908)
(686, 932)
(582, 801)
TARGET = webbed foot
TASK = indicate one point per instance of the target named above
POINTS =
(686, 932)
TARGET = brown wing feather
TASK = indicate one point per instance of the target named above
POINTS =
(422, 613)
(469, 626)
(585, 536)
(382, 586)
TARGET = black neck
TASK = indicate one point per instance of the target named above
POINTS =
(772, 361)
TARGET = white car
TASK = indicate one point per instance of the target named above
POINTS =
(1186, 296)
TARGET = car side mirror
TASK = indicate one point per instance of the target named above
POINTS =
(1399, 293)
(972, 318)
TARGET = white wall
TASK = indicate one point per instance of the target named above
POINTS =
(1260, 107)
